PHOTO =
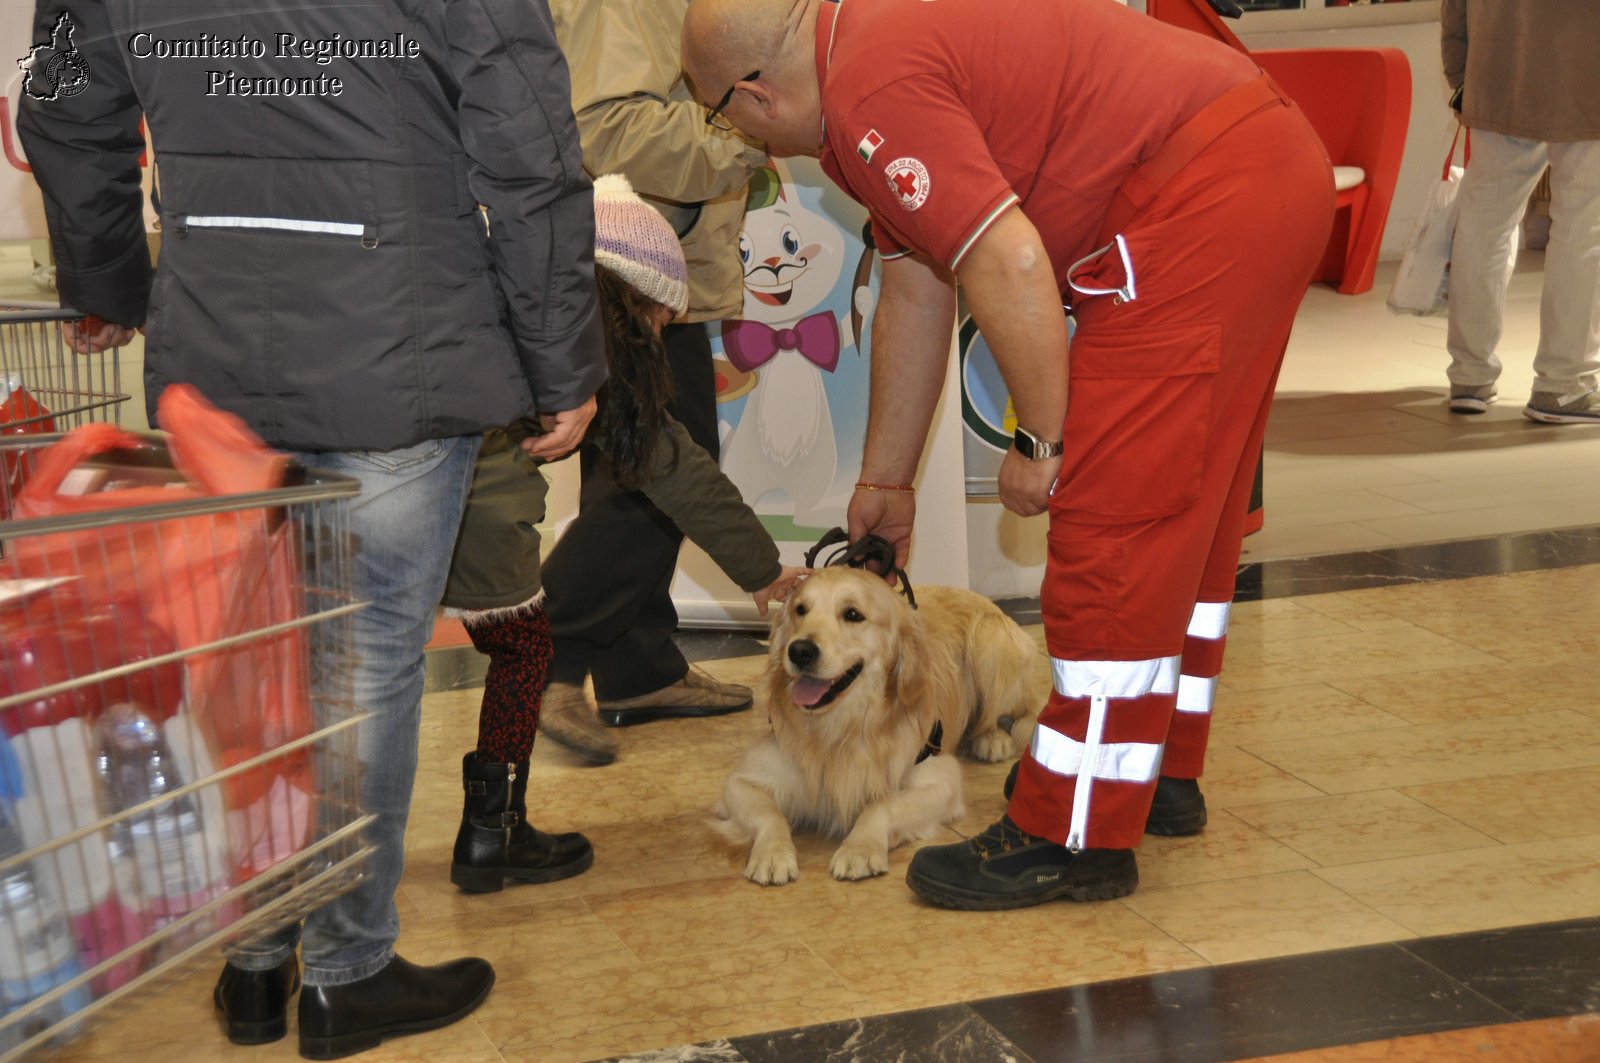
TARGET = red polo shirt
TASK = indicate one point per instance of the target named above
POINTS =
(938, 115)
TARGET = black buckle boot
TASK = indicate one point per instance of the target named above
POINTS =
(496, 842)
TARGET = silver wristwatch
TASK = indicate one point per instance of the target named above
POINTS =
(1033, 448)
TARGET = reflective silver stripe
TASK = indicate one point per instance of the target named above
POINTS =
(1196, 694)
(1114, 679)
(1209, 620)
(1100, 681)
(299, 225)
(1114, 762)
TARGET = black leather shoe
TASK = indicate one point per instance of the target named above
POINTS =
(1006, 867)
(254, 1005)
(1179, 808)
(341, 1020)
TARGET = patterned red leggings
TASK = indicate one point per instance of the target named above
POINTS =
(519, 650)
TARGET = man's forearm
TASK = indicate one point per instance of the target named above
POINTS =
(911, 331)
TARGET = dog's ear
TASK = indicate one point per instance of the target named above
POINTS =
(910, 655)
(778, 627)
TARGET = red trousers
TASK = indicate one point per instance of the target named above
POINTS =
(1169, 394)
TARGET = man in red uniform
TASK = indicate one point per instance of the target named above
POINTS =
(1050, 153)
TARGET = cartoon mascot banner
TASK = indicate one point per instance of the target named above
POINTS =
(792, 381)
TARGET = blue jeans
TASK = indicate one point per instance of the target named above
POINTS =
(404, 523)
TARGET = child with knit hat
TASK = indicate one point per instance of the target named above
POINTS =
(494, 577)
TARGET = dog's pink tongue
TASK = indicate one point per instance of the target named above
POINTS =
(808, 690)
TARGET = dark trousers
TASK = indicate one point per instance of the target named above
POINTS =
(608, 578)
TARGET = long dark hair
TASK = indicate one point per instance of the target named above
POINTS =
(633, 402)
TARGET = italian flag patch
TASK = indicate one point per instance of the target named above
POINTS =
(868, 145)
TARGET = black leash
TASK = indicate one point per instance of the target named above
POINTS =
(871, 552)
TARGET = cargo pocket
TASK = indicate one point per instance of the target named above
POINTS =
(1138, 418)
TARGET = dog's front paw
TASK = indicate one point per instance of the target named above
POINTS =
(773, 863)
(854, 860)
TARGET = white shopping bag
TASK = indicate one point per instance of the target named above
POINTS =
(1422, 286)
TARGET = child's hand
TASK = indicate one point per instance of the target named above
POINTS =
(779, 589)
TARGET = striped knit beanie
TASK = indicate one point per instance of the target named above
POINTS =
(634, 241)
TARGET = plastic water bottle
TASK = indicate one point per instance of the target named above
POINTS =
(37, 953)
(176, 871)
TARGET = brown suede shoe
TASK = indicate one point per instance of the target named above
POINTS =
(696, 694)
(566, 719)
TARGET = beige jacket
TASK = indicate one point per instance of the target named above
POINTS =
(1531, 67)
(637, 117)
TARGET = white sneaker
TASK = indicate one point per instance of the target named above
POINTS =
(1548, 407)
(1472, 400)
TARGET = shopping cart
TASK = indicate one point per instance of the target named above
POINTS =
(44, 385)
(178, 767)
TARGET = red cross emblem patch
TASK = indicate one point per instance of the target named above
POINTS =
(909, 181)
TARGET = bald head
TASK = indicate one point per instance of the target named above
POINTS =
(725, 41)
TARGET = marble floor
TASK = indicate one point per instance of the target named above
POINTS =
(1402, 861)
(1401, 842)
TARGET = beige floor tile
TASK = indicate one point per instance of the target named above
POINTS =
(1259, 623)
(1358, 828)
(1290, 473)
(1302, 512)
(1287, 913)
(1449, 694)
(1274, 543)
(1362, 613)
(1242, 717)
(1539, 452)
(1523, 488)
(1338, 424)
(1480, 889)
(1228, 849)
(1517, 808)
(1550, 615)
(1236, 777)
(943, 957)
(760, 985)
(1426, 753)
(1487, 522)
(1279, 658)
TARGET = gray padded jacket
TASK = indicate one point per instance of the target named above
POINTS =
(326, 272)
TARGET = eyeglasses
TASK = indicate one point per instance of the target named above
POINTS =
(714, 117)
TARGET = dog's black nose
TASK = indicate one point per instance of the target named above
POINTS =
(803, 653)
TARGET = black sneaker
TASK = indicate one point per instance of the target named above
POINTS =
(1006, 867)
(1178, 810)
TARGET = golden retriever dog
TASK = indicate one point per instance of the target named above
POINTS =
(855, 682)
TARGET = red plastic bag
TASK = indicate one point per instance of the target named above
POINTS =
(197, 580)
(20, 414)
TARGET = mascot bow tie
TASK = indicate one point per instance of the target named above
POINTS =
(750, 344)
